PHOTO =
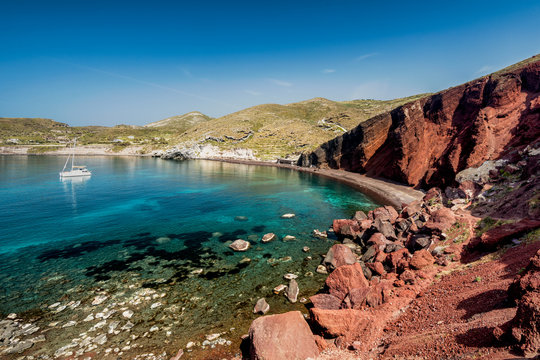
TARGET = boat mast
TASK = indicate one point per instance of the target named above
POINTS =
(67, 160)
(73, 157)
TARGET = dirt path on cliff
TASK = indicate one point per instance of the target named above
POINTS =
(455, 317)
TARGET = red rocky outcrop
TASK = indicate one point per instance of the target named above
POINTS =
(283, 336)
(385, 213)
(524, 329)
(338, 255)
(496, 236)
(345, 322)
(345, 278)
(325, 301)
(441, 220)
(421, 259)
(428, 141)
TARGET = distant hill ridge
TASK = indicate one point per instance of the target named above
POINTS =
(269, 130)
(274, 130)
(181, 121)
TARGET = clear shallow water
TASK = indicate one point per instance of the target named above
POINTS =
(158, 230)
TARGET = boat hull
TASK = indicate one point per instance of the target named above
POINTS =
(75, 173)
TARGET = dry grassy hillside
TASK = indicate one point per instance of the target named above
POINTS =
(273, 130)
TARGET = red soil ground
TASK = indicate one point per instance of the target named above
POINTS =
(455, 317)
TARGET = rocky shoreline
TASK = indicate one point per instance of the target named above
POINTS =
(388, 260)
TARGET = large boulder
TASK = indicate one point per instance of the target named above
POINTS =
(441, 220)
(491, 238)
(385, 228)
(325, 301)
(344, 322)
(419, 242)
(344, 278)
(338, 255)
(337, 224)
(413, 208)
(526, 325)
(283, 336)
(421, 259)
(470, 188)
(357, 298)
(398, 260)
(360, 215)
(379, 241)
(385, 213)
(528, 281)
(366, 297)
(524, 328)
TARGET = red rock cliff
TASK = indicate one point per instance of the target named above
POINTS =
(427, 141)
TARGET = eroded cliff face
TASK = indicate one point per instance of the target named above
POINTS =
(428, 141)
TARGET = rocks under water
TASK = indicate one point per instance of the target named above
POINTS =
(154, 270)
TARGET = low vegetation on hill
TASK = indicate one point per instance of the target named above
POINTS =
(180, 122)
(270, 130)
(44, 135)
(273, 130)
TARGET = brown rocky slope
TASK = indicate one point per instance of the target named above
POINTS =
(426, 142)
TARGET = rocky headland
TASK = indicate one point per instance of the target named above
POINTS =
(454, 275)
(426, 142)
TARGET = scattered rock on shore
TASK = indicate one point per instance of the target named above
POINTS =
(268, 237)
(321, 269)
(239, 245)
(320, 234)
(288, 216)
(292, 291)
(261, 307)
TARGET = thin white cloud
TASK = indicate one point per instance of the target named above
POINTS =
(280, 82)
(365, 56)
(147, 83)
(328, 71)
(187, 72)
(372, 90)
(252, 92)
(485, 69)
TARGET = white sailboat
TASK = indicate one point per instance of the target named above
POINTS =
(76, 171)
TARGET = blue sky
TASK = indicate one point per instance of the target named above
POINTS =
(116, 62)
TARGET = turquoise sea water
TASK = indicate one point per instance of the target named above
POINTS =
(163, 227)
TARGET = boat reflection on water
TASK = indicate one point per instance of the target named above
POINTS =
(74, 181)
(71, 184)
